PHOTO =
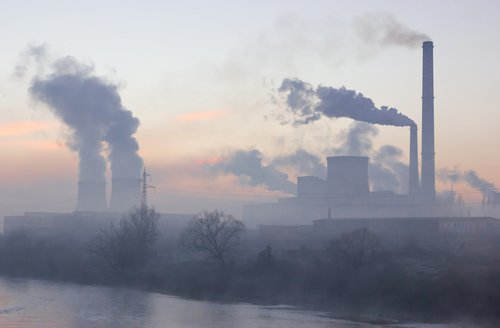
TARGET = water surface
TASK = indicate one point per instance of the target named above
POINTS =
(41, 304)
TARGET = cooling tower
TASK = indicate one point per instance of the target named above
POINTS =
(125, 194)
(91, 196)
(428, 187)
(347, 176)
(414, 179)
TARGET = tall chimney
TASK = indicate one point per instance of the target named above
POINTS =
(414, 179)
(428, 188)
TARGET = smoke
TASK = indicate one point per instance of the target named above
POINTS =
(356, 140)
(384, 29)
(473, 179)
(35, 54)
(308, 105)
(387, 171)
(303, 161)
(92, 108)
(470, 177)
(249, 166)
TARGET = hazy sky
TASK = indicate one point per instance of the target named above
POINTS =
(200, 76)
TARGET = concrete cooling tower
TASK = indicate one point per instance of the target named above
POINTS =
(91, 196)
(347, 176)
(125, 194)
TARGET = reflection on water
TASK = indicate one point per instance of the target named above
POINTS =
(33, 303)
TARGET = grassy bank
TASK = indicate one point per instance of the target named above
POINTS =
(409, 283)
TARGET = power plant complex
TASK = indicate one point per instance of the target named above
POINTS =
(324, 209)
(340, 202)
(345, 194)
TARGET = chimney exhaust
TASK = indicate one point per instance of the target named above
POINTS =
(428, 188)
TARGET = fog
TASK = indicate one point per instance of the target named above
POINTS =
(343, 231)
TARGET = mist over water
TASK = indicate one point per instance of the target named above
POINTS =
(38, 304)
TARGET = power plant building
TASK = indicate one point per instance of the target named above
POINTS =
(347, 193)
(344, 194)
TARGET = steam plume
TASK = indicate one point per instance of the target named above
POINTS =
(303, 161)
(476, 182)
(386, 30)
(249, 166)
(92, 108)
(470, 177)
(356, 140)
(387, 171)
(309, 104)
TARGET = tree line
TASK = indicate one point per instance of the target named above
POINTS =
(355, 272)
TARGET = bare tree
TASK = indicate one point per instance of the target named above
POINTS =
(214, 233)
(357, 248)
(143, 223)
(127, 245)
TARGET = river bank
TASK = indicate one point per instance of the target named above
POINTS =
(42, 304)
(84, 296)
(428, 286)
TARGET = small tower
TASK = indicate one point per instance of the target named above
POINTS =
(145, 187)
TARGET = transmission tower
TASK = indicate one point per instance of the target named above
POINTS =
(145, 186)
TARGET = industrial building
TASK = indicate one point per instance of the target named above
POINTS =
(80, 226)
(346, 194)
(92, 214)
(424, 231)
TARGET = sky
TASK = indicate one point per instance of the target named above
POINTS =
(202, 78)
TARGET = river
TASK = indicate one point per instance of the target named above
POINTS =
(42, 304)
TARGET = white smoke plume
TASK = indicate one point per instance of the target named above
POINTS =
(91, 107)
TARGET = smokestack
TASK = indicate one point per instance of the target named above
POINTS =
(414, 178)
(347, 175)
(91, 196)
(428, 188)
(125, 194)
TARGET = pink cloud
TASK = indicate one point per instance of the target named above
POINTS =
(201, 116)
(21, 128)
(209, 161)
